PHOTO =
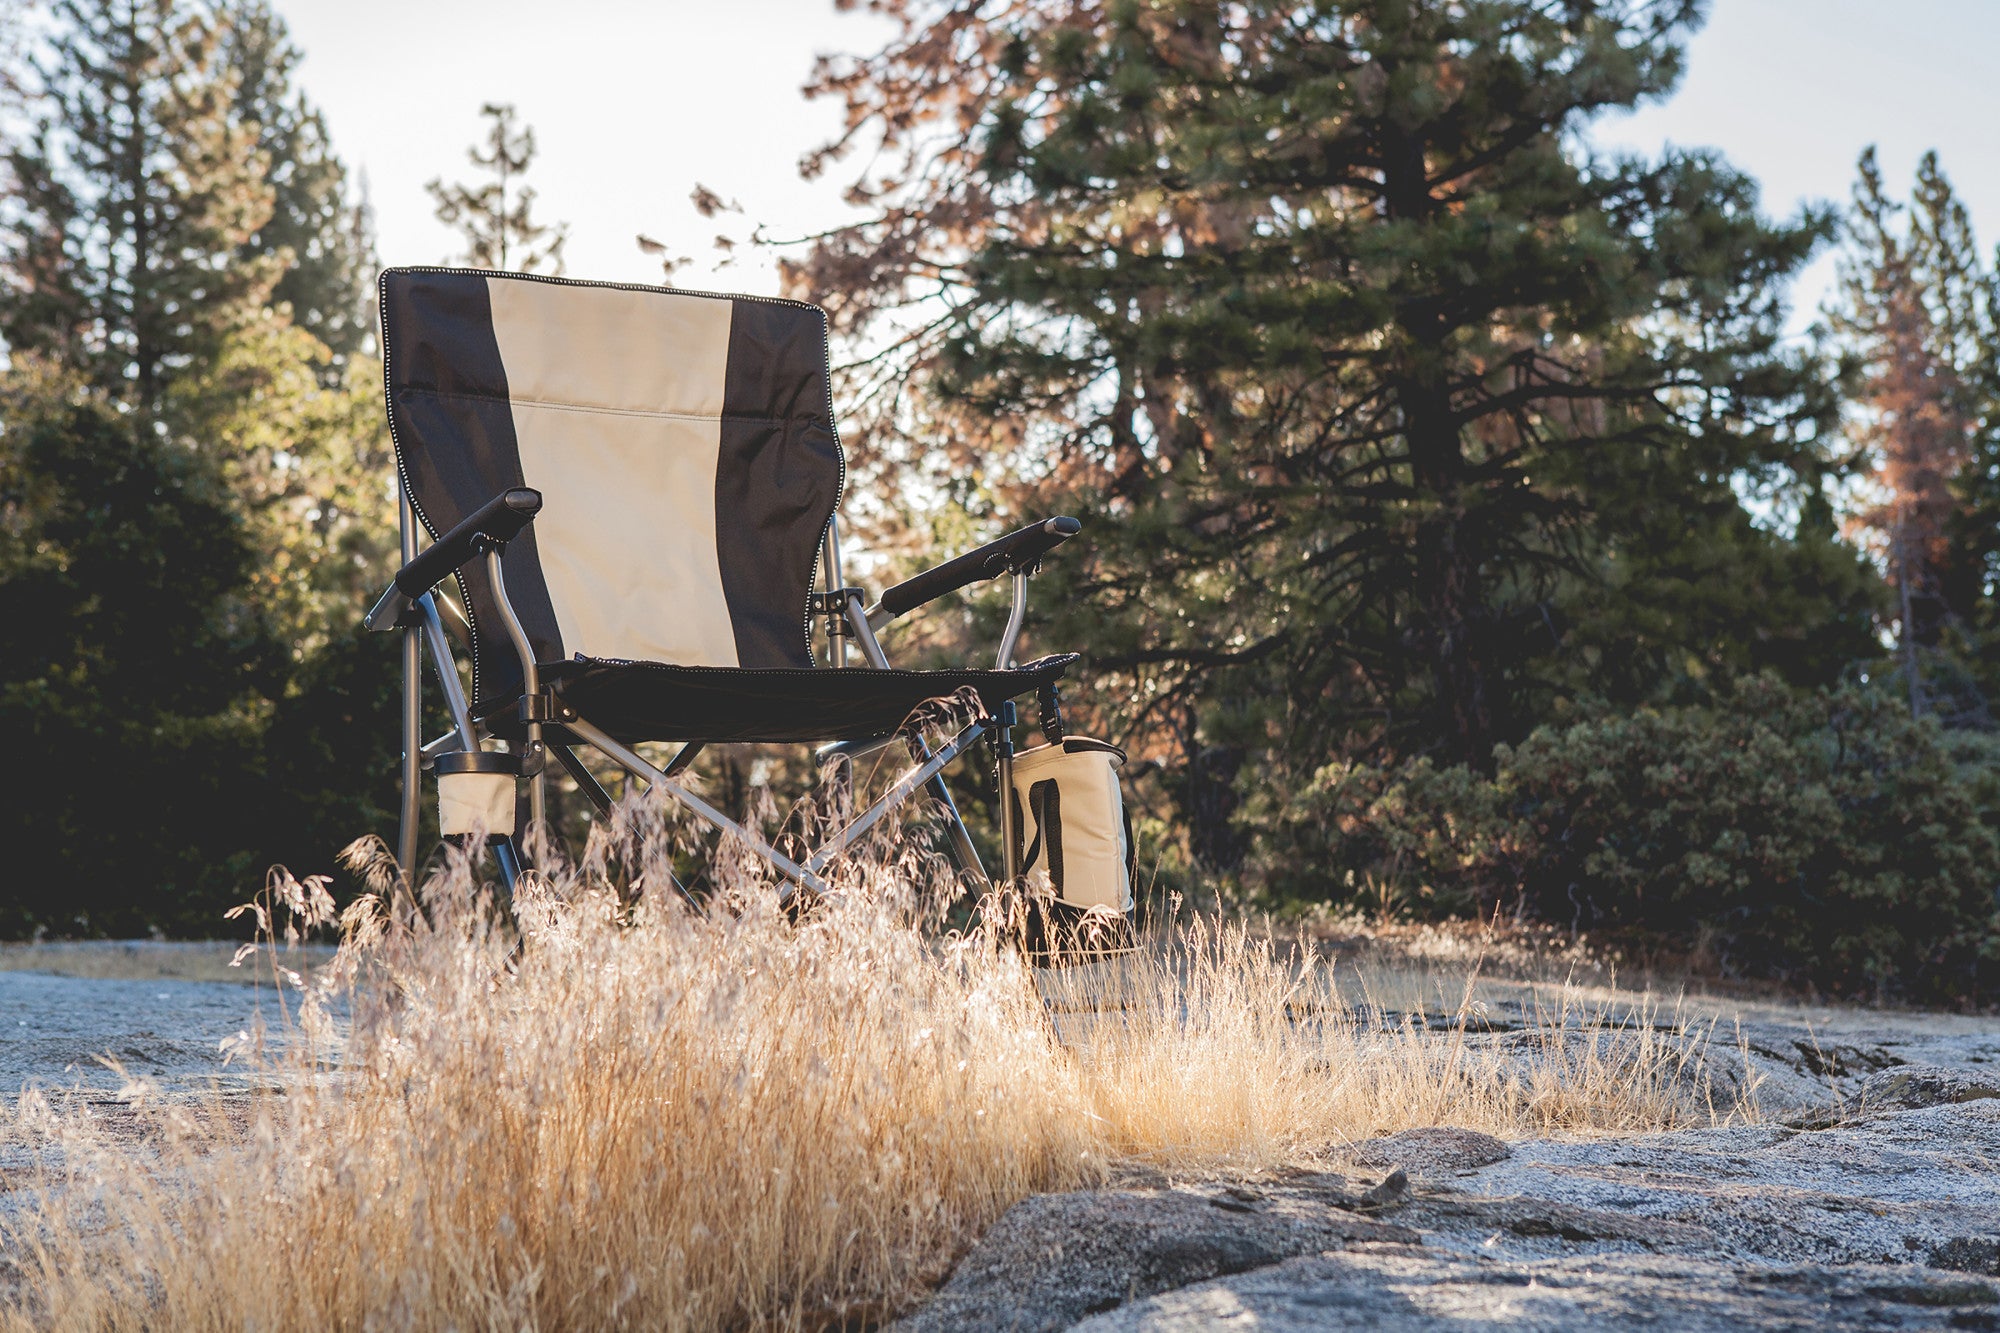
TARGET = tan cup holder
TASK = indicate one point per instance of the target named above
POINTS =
(476, 792)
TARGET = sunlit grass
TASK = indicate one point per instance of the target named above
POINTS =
(635, 1112)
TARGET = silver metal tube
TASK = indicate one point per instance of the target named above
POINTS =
(447, 671)
(864, 634)
(454, 619)
(961, 840)
(1005, 657)
(531, 685)
(835, 581)
(413, 713)
(510, 865)
(896, 795)
(852, 749)
(629, 759)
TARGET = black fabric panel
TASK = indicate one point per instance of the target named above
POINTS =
(650, 701)
(1045, 803)
(454, 432)
(439, 329)
(777, 479)
(1054, 933)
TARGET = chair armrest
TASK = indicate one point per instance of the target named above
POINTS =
(1016, 553)
(498, 521)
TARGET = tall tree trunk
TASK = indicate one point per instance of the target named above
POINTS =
(1905, 577)
(1448, 580)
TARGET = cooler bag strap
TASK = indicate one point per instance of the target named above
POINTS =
(1131, 848)
(1045, 802)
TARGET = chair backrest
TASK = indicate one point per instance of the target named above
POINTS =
(683, 444)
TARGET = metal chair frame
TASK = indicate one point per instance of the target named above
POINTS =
(420, 617)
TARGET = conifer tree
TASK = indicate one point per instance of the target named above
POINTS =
(496, 216)
(134, 189)
(322, 233)
(1914, 427)
(1918, 305)
(1353, 355)
(195, 483)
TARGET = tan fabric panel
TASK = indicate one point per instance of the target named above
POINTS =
(627, 532)
(605, 347)
(617, 401)
(475, 803)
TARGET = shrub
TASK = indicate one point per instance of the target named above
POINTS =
(1820, 838)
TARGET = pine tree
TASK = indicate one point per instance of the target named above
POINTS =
(496, 217)
(43, 301)
(1963, 290)
(195, 484)
(1917, 306)
(1325, 318)
(322, 236)
(134, 189)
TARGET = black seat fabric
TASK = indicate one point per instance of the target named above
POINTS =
(655, 701)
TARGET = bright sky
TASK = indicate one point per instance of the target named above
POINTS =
(634, 102)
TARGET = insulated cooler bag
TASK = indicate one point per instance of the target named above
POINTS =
(1075, 830)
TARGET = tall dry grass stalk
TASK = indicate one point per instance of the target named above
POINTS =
(633, 1112)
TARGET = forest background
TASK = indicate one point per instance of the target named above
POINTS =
(1465, 534)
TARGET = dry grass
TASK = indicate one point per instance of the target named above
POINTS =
(642, 1114)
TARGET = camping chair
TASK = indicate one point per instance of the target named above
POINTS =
(632, 488)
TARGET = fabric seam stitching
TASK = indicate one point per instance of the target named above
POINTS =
(607, 411)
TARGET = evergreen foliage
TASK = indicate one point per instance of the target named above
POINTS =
(133, 669)
(1459, 522)
(324, 238)
(195, 484)
(1397, 414)
(496, 216)
(1920, 308)
(1823, 838)
(135, 190)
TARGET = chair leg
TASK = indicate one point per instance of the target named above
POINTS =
(962, 849)
(413, 713)
(837, 784)
(625, 757)
(509, 858)
(413, 744)
(593, 791)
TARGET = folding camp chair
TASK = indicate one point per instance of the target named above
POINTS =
(632, 488)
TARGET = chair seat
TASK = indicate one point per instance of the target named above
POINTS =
(656, 701)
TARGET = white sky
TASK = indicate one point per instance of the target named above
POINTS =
(634, 102)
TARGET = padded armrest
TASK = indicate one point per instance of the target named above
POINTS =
(500, 519)
(1011, 554)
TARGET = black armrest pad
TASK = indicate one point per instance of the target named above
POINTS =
(499, 519)
(1008, 555)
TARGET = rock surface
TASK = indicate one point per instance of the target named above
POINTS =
(1867, 1195)
(1431, 1151)
(58, 1031)
(1057, 1258)
(1409, 1289)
